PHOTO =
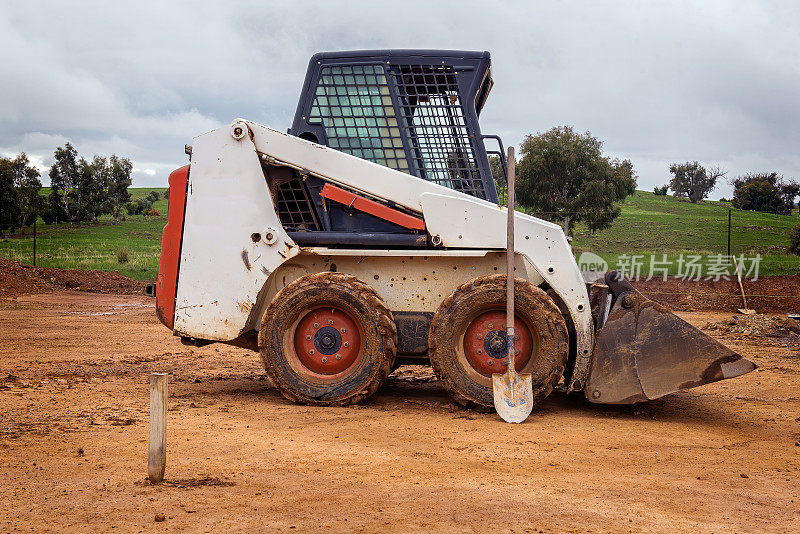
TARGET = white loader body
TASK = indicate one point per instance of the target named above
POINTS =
(228, 278)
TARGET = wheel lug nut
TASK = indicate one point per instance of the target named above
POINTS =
(324, 359)
(343, 330)
(312, 351)
(516, 352)
(480, 336)
(308, 338)
(490, 326)
(316, 325)
(330, 321)
(338, 356)
(489, 361)
(516, 337)
(346, 344)
(480, 351)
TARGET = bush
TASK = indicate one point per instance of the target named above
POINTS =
(138, 207)
(759, 192)
(153, 196)
(122, 256)
(661, 191)
(152, 213)
(166, 194)
(794, 241)
(49, 216)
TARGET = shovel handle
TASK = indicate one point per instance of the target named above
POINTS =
(510, 260)
(739, 278)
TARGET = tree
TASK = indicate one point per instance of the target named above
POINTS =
(789, 191)
(54, 208)
(64, 181)
(9, 214)
(21, 203)
(563, 175)
(92, 189)
(759, 192)
(84, 190)
(26, 185)
(691, 180)
(119, 179)
(499, 176)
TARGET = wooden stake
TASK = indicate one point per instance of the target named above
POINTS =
(157, 457)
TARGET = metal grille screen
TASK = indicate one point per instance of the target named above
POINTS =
(294, 208)
(432, 114)
(354, 105)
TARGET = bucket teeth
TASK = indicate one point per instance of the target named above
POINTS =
(644, 352)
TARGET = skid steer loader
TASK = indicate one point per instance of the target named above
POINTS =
(370, 235)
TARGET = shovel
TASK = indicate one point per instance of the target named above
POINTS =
(744, 310)
(513, 393)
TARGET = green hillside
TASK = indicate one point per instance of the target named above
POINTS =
(651, 224)
(648, 225)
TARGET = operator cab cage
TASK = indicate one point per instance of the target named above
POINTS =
(415, 111)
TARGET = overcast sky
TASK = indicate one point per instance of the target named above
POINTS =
(658, 82)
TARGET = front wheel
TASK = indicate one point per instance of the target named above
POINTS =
(467, 340)
(327, 339)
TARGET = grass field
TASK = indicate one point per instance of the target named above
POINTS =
(649, 225)
(87, 246)
(656, 225)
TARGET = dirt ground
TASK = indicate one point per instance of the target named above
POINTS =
(16, 279)
(73, 442)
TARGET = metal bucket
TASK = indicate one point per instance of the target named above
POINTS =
(643, 351)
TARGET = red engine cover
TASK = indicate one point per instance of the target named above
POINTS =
(167, 281)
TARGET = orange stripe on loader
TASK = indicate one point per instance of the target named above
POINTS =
(373, 208)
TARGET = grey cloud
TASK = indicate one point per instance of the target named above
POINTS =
(657, 81)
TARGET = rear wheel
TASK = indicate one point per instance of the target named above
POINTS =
(467, 340)
(327, 339)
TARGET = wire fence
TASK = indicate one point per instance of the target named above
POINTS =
(697, 243)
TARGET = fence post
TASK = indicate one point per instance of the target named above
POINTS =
(34, 243)
(157, 453)
(729, 233)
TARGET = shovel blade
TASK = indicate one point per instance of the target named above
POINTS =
(513, 396)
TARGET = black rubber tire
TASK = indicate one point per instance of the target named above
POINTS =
(445, 339)
(363, 304)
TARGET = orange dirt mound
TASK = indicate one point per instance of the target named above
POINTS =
(769, 294)
(19, 279)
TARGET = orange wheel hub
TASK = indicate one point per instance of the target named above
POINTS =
(486, 343)
(327, 341)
